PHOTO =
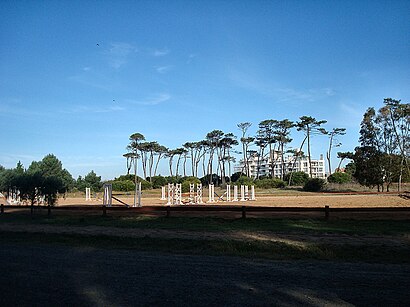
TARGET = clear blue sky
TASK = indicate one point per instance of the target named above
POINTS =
(175, 70)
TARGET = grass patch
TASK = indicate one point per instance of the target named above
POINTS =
(350, 227)
(264, 250)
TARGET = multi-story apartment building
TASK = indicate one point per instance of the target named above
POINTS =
(282, 164)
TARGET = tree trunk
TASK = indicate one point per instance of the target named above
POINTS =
(170, 165)
(156, 165)
(309, 157)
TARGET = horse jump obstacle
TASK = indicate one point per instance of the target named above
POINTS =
(174, 195)
(195, 198)
(13, 197)
(244, 194)
(108, 197)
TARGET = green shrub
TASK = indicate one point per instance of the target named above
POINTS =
(123, 185)
(244, 180)
(128, 185)
(236, 176)
(172, 179)
(314, 185)
(207, 179)
(298, 178)
(145, 185)
(339, 178)
(158, 181)
(270, 183)
(187, 182)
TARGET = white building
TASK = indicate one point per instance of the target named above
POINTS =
(281, 163)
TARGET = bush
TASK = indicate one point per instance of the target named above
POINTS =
(123, 185)
(298, 178)
(172, 179)
(314, 185)
(187, 182)
(145, 185)
(270, 183)
(206, 179)
(158, 181)
(236, 176)
(244, 180)
(339, 178)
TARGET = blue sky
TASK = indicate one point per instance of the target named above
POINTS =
(175, 70)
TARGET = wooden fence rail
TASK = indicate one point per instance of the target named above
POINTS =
(167, 210)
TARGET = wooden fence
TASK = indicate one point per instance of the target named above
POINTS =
(167, 210)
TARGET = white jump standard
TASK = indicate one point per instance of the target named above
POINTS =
(87, 194)
(107, 199)
(163, 193)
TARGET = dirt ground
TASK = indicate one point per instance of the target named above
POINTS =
(313, 200)
(79, 276)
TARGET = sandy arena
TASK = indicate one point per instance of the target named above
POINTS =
(314, 200)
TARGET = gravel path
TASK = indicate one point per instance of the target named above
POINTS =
(44, 275)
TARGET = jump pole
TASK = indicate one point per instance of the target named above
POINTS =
(178, 194)
(170, 194)
(211, 193)
(235, 193)
(139, 194)
(163, 192)
(228, 193)
(87, 194)
(192, 193)
(242, 193)
(198, 199)
(253, 192)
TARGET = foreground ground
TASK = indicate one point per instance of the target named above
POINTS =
(82, 259)
(43, 274)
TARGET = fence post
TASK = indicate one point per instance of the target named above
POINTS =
(32, 210)
(104, 210)
(244, 212)
(168, 211)
(2, 209)
(48, 210)
(327, 212)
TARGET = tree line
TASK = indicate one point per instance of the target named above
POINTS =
(381, 158)
(44, 181)
(215, 153)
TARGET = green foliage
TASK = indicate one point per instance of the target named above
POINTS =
(244, 180)
(123, 185)
(297, 178)
(187, 181)
(45, 178)
(350, 168)
(206, 180)
(145, 185)
(270, 183)
(314, 185)
(339, 178)
(172, 179)
(368, 164)
(51, 167)
(235, 176)
(158, 181)
(91, 180)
